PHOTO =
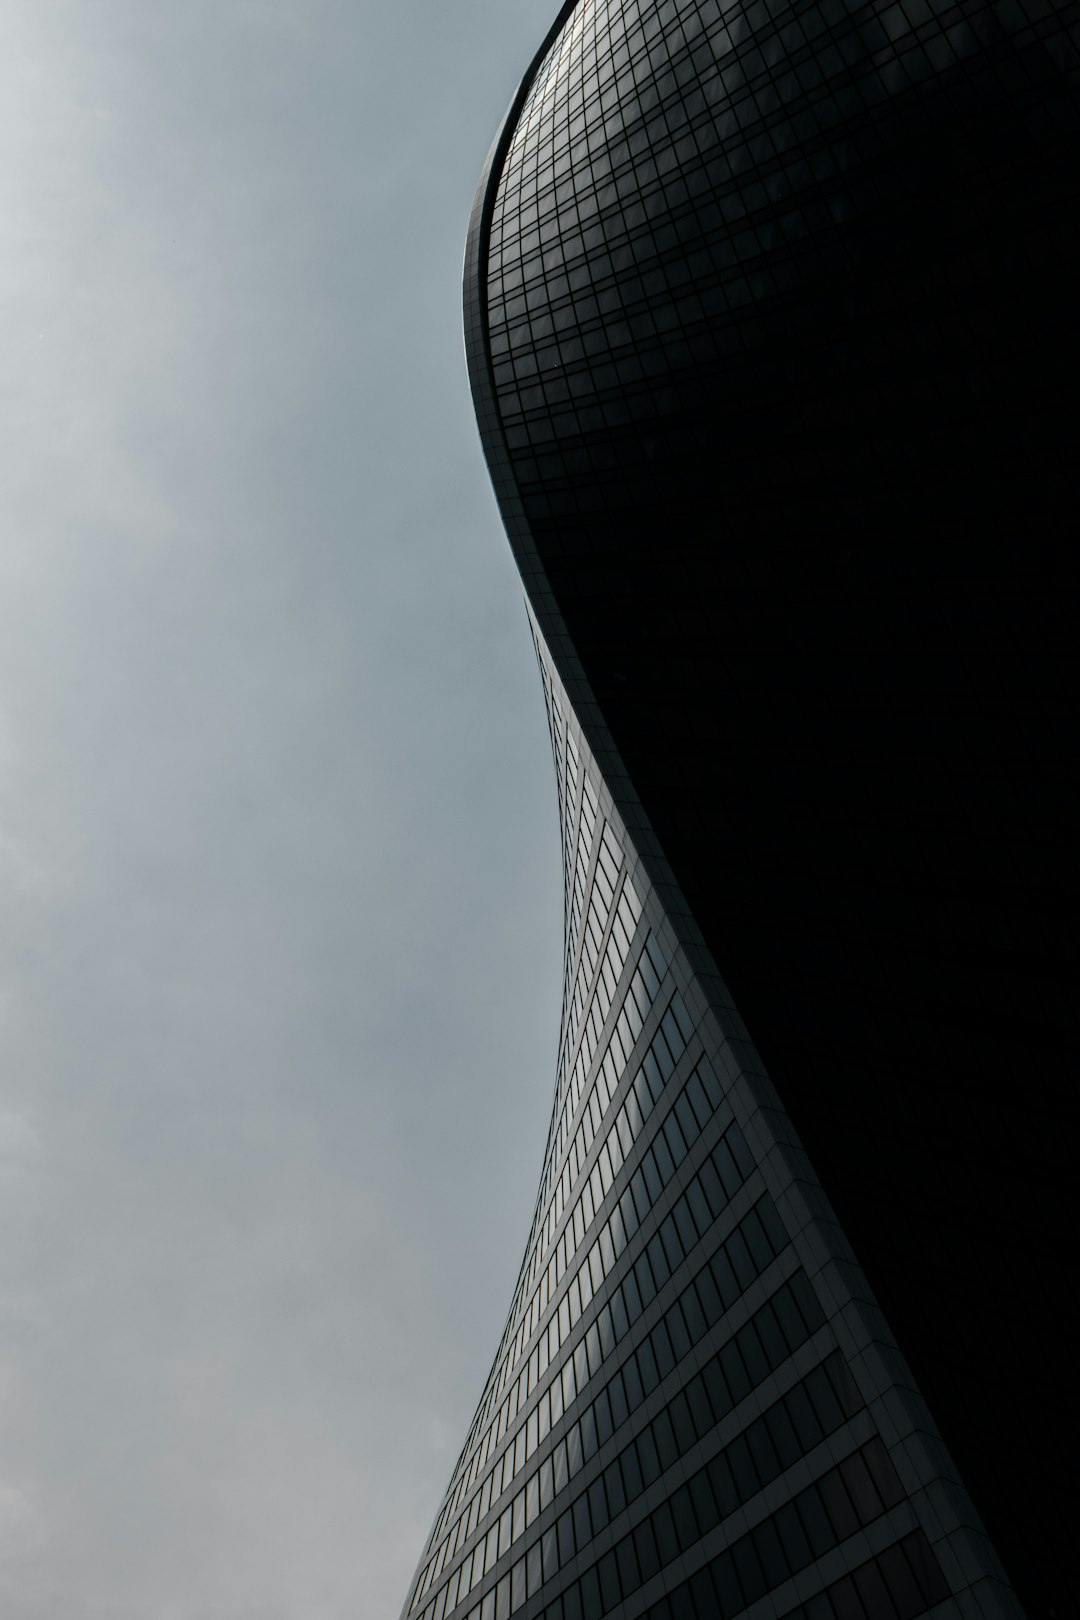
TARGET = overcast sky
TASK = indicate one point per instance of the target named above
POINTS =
(280, 904)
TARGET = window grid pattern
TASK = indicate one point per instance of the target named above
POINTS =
(597, 885)
(570, 1147)
(606, 276)
(581, 1101)
(815, 1408)
(672, 168)
(841, 1502)
(708, 1397)
(656, 1176)
(904, 1580)
(688, 1112)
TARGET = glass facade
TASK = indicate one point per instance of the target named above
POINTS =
(771, 331)
(688, 1408)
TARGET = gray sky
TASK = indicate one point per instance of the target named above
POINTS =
(280, 903)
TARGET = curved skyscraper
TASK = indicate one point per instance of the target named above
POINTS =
(771, 324)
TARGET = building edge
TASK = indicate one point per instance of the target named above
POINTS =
(938, 1498)
(845, 1293)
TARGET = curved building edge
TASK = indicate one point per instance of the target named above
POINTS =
(982, 1577)
(929, 1524)
(936, 1504)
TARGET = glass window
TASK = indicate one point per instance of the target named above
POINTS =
(613, 1489)
(667, 1447)
(574, 1455)
(784, 1438)
(843, 1382)
(682, 1511)
(681, 1421)
(502, 1599)
(684, 1223)
(770, 1553)
(667, 1540)
(845, 1599)
(591, 1602)
(875, 1595)
(824, 1401)
(697, 1207)
(609, 1582)
(617, 1397)
(720, 1398)
(884, 1474)
(735, 1375)
(673, 1136)
(753, 1355)
(803, 1417)
(631, 1473)
(592, 1347)
(697, 1400)
(631, 1295)
(751, 1577)
(861, 1488)
(589, 1441)
(812, 1513)
(646, 1366)
(582, 1525)
(807, 1301)
(602, 1416)
(565, 1529)
(724, 1277)
(712, 1188)
(661, 1270)
(665, 1169)
(722, 1595)
(742, 1467)
(683, 1111)
(741, 1260)
(635, 1392)
(648, 1457)
(629, 1572)
(662, 1349)
(901, 1583)
(534, 1570)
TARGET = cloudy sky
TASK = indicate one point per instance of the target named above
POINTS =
(279, 889)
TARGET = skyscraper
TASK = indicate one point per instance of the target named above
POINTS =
(771, 332)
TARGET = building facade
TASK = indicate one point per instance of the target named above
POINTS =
(771, 333)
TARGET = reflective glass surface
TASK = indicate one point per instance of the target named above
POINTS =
(771, 326)
(772, 331)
